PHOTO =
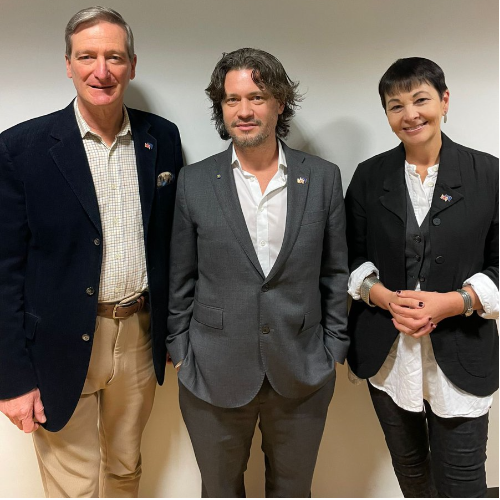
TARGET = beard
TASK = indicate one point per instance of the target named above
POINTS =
(247, 141)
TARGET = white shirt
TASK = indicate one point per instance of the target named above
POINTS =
(265, 213)
(410, 372)
(114, 172)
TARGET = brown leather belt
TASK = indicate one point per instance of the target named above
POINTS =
(121, 311)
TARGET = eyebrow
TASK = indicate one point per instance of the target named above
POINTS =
(251, 94)
(394, 99)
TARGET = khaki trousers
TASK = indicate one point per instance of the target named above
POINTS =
(97, 453)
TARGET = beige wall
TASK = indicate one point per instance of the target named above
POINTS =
(338, 49)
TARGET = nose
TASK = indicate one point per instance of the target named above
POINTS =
(411, 112)
(245, 109)
(101, 71)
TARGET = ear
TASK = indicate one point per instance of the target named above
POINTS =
(446, 101)
(134, 64)
(281, 108)
(68, 66)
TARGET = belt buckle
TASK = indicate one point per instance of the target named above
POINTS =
(114, 311)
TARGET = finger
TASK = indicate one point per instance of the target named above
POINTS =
(28, 425)
(407, 302)
(426, 330)
(401, 328)
(411, 324)
(408, 312)
(38, 411)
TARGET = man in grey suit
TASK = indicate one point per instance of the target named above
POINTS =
(258, 282)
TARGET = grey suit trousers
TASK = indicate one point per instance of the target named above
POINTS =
(291, 433)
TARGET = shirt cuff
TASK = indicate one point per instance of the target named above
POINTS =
(487, 293)
(357, 276)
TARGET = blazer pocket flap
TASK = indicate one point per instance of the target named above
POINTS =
(208, 315)
(312, 318)
(30, 324)
(311, 217)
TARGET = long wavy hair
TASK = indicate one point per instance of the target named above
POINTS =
(267, 73)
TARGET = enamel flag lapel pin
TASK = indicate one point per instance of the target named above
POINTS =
(446, 197)
(148, 145)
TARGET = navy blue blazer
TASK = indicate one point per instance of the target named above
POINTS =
(49, 219)
(464, 241)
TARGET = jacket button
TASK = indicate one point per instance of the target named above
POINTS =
(421, 279)
(90, 291)
(417, 238)
(265, 329)
(436, 221)
(439, 259)
(97, 242)
(265, 288)
(86, 337)
(417, 258)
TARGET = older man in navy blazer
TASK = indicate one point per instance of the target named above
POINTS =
(86, 201)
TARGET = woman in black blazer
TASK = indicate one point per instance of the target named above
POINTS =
(422, 228)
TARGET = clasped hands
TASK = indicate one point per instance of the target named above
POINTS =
(416, 313)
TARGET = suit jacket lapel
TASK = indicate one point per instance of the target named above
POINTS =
(296, 202)
(394, 185)
(449, 178)
(222, 179)
(146, 163)
(71, 159)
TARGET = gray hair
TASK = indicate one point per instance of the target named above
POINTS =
(94, 15)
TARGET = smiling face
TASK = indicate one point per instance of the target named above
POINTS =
(250, 113)
(415, 116)
(99, 65)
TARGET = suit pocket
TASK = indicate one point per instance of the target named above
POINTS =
(30, 324)
(208, 315)
(312, 217)
(311, 318)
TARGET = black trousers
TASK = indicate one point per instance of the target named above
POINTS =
(291, 434)
(434, 456)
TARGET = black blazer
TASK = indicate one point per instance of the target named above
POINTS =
(464, 241)
(49, 219)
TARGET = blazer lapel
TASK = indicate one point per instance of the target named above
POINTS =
(296, 203)
(146, 151)
(71, 159)
(449, 178)
(394, 185)
(222, 179)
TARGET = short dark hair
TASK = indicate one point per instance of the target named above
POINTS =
(406, 74)
(267, 73)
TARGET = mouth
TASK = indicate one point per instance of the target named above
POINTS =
(416, 128)
(245, 126)
(101, 87)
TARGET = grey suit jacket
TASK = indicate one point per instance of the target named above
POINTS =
(230, 324)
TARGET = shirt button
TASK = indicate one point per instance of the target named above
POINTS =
(252, 179)
(97, 242)
(439, 259)
(430, 184)
(417, 238)
(113, 186)
(262, 243)
(265, 330)
(85, 337)
(436, 221)
(90, 291)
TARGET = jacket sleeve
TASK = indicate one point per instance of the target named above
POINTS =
(334, 276)
(183, 276)
(17, 376)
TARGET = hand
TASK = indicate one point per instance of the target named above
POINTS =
(409, 314)
(25, 411)
(421, 321)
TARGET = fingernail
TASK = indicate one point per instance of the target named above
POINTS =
(430, 319)
(433, 325)
(420, 304)
(398, 291)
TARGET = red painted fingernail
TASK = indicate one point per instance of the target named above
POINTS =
(398, 291)
(421, 304)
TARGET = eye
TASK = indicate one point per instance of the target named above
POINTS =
(231, 100)
(422, 100)
(396, 107)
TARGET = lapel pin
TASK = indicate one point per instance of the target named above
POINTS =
(148, 145)
(164, 178)
(446, 197)
(301, 180)
(218, 176)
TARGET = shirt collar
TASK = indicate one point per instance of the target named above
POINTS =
(282, 165)
(85, 129)
(412, 170)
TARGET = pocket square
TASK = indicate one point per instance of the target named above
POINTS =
(164, 178)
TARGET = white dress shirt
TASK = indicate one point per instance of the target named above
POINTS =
(410, 372)
(114, 172)
(265, 213)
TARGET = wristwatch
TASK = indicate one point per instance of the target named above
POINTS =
(467, 302)
(366, 286)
